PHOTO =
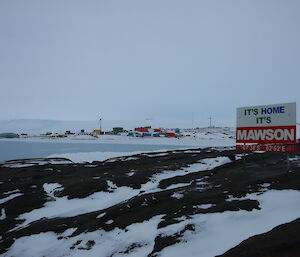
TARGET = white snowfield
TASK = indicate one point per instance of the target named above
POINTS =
(202, 139)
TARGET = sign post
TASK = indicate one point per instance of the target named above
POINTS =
(244, 159)
(270, 128)
(288, 161)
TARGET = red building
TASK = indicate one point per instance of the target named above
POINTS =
(142, 129)
(170, 134)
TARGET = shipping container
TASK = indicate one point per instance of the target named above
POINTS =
(142, 129)
(134, 134)
(170, 134)
(117, 130)
(97, 131)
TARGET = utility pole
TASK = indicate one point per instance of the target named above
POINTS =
(100, 125)
(288, 161)
(209, 121)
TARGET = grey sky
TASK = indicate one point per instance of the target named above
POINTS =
(164, 59)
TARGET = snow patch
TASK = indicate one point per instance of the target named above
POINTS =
(51, 188)
(64, 207)
(205, 206)
(10, 197)
(101, 215)
(177, 195)
(3, 214)
(10, 192)
(18, 165)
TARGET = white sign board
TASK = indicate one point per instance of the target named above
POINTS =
(267, 115)
(275, 123)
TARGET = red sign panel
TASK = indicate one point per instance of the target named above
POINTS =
(267, 148)
(266, 135)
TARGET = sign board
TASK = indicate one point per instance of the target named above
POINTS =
(267, 124)
(268, 148)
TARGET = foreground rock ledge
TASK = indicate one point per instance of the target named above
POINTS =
(187, 193)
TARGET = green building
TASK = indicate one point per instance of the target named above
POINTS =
(117, 130)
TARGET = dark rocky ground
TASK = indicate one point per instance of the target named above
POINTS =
(282, 241)
(224, 181)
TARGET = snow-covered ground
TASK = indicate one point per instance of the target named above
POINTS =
(229, 228)
(198, 140)
(87, 148)
(64, 207)
(213, 234)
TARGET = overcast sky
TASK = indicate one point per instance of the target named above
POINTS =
(164, 59)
